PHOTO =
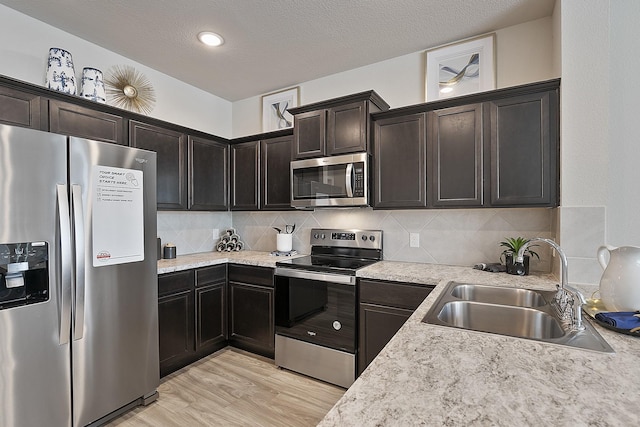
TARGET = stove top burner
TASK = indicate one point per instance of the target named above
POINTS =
(326, 263)
(339, 251)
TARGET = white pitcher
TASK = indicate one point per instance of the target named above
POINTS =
(620, 282)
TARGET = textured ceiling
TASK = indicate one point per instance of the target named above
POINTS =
(272, 44)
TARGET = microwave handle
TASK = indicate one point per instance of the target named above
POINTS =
(349, 180)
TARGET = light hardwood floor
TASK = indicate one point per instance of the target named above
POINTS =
(235, 388)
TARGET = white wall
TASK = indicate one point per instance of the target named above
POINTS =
(623, 193)
(25, 47)
(584, 135)
(523, 56)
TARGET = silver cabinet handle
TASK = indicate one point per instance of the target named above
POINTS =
(348, 179)
(66, 278)
(78, 228)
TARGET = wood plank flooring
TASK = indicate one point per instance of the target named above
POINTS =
(235, 388)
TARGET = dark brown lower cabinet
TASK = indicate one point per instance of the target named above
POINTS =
(251, 311)
(176, 311)
(191, 316)
(383, 309)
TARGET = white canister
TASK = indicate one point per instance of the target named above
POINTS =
(93, 85)
(284, 242)
(61, 75)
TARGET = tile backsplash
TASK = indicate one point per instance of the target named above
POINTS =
(452, 236)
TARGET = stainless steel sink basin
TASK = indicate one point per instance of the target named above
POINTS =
(515, 312)
(498, 295)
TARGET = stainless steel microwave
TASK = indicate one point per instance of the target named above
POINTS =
(330, 181)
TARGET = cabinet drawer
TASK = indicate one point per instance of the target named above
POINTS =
(211, 275)
(175, 282)
(393, 294)
(250, 274)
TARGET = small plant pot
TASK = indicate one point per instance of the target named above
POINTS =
(510, 261)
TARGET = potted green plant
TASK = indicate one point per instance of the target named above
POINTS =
(513, 245)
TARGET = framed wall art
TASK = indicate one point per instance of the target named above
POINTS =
(460, 68)
(275, 106)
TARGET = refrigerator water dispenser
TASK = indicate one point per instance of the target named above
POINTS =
(24, 276)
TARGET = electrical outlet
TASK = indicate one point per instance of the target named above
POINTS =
(414, 240)
(215, 234)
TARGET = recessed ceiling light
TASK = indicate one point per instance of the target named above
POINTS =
(210, 39)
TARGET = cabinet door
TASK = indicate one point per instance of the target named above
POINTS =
(74, 120)
(276, 176)
(171, 149)
(176, 326)
(245, 172)
(251, 318)
(347, 128)
(18, 108)
(457, 156)
(309, 134)
(524, 150)
(378, 324)
(211, 322)
(209, 171)
(400, 163)
(211, 309)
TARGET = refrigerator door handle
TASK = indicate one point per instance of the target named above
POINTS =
(78, 228)
(66, 263)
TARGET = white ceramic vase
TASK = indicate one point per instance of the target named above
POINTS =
(620, 282)
(61, 75)
(93, 85)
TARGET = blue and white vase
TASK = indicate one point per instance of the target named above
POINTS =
(93, 85)
(61, 75)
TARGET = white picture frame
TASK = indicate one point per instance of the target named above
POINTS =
(460, 68)
(275, 109)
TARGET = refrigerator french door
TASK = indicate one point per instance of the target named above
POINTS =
(78, 283)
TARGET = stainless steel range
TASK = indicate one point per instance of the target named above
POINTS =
(316, 305)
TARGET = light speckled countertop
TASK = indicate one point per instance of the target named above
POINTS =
(204, 259)
(434, 375)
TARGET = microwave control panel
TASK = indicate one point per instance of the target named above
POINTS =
(358, 187)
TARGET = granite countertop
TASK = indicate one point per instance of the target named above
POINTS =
(435, 375)
(204, 259)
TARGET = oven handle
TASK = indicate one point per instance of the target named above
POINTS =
(314, 275)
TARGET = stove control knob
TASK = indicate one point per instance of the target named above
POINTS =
(372, 238)
(316, 235)
(322, 236)
(364, 237)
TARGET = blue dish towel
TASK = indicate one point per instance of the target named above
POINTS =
(620, 319)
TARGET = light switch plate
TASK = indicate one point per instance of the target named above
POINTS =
(414, 240)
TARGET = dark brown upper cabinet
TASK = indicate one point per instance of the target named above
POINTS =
(171, 148)
(337, 126)
(310, 132)
(20, 108)
(456, 154)
(524, 150)
(491, 149)
(208, 174)
(83, 122)
(400, 162)
(245, 174)
(275, 186)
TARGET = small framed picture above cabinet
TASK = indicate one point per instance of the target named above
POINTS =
(275, 109)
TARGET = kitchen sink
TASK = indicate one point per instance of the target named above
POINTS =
(501, 319)
(498, 295)
(515, 312)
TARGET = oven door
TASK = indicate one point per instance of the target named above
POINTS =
(318, 308)
(330, 181)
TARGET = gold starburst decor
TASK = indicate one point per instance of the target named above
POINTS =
(130, 89)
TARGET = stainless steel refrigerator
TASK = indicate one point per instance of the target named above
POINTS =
(78, 283)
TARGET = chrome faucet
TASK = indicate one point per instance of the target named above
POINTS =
(567, 296)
